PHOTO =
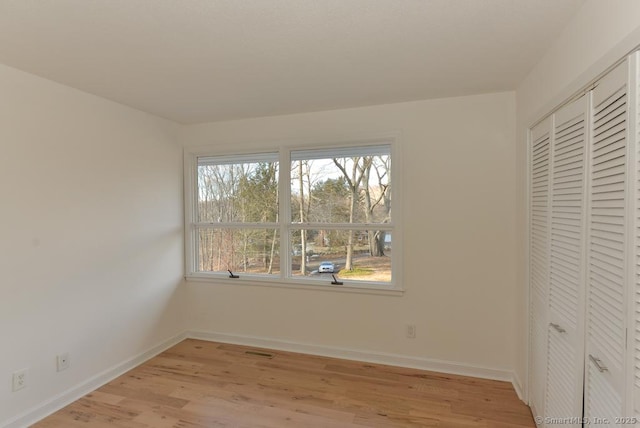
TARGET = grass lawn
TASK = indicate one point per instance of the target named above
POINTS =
(369, 269)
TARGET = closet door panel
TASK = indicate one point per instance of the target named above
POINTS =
(567, 253)
(607, 248)
(540, 167)
(633, 337)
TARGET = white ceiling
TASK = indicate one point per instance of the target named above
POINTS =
(204, 60)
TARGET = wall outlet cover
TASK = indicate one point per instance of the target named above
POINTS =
(20, 378)
(62, 361)
(411, 331)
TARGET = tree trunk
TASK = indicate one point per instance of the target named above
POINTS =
(273, 250)
(352, 209)
(245, 260)
(376, 243)
(219, 250)
(273, 241)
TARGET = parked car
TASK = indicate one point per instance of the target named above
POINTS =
(326, 267)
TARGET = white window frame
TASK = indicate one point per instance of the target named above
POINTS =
(285, 277)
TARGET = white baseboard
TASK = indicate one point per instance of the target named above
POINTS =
(63, 399)
(517, 385)
(359, 355)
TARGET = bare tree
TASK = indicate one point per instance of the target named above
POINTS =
(354, 178)
(273, 243)
(372, 201)
(259, 194)
(330, 199)
(302, 173)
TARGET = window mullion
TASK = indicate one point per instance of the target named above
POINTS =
(235, 225)
(343, 226)
(284, 212)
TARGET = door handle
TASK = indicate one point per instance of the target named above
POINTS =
(557, 328)
(598, 363)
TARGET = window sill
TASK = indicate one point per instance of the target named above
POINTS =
(384, 290)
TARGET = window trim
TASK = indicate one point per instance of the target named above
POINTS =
(285, 278)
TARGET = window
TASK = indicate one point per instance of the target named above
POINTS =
(236, 227)
(297, 217)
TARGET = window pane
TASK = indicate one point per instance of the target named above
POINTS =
(321, 253)
(341, 189)
(237, 192)
(253, 251)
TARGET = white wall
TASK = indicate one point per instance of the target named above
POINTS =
(90, 235)
(459, 243)
(601, 33)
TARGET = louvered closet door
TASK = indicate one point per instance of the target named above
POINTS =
(540, 158)
(634, 307)
(565, 355)
(607, 252)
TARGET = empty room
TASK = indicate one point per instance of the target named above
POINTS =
(319, 213)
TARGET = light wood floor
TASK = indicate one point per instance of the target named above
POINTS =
(205, 384)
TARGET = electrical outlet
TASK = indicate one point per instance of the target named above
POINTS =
(20, 379)
(62, 361)
(411, 331)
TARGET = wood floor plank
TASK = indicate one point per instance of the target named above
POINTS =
(199, 384)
